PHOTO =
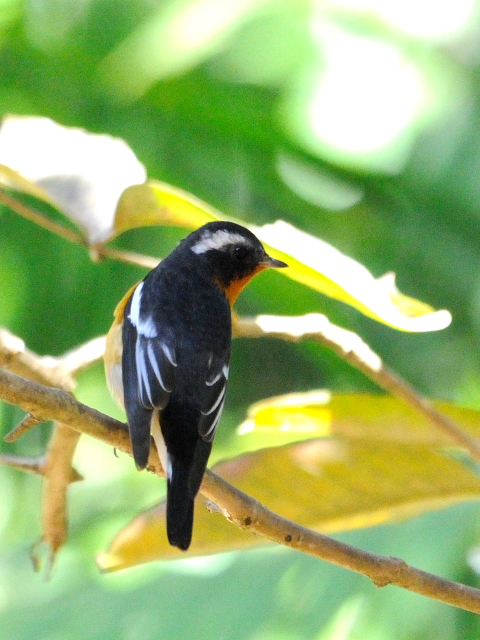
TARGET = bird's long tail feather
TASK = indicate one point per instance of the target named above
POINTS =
(179, 507)
(184, 480)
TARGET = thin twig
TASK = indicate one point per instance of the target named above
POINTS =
(97, 251)
(62, 445)
(35, 466)
(56, 371)
(47, 403)
(15, 357)
(82, 357)
(38, 218)
(21, 429)
(130, 257)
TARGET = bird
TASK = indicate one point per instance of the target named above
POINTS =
(167, 356)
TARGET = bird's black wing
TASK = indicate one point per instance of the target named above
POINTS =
(187, 472)
(148, 372)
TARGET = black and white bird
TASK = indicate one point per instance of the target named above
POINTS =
(167, 356)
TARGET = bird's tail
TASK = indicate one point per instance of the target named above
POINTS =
(182, 487)
(179, 507)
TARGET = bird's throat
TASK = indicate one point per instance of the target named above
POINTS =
(234, 289)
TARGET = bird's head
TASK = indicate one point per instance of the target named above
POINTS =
(233, 254)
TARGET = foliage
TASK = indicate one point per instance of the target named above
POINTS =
(357, 125)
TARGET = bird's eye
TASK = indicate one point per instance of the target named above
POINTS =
(240, 251)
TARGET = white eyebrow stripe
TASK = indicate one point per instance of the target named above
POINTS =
(217, 402)
(218, 240)
(134, 315)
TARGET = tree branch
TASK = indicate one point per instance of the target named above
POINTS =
(46, 403)
(97, 251)
(251, 515)
(35, 216)
(59, 371)
(56, 465)
(102, 251)
(15, 357)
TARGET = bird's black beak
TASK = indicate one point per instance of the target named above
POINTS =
(273, 263)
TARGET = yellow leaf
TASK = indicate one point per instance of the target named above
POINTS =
(312, 261)
(320, 266)
(378, 461)
(158, 203)
(14, 180)
(288, 418)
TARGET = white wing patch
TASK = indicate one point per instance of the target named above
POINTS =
(218, 240)
(215, 400)
(147, 328)
(134, 315)
(168, 352)
(153, 358)
(155, 367)
(144, 326)
(142, 375)
(224, 372)
(214, 380)
(211, 431)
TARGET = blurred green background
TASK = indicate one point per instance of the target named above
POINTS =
(356, 120)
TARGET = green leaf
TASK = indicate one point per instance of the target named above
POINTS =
(378, 461)
(189, 33)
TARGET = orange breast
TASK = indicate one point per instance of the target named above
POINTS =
(233, 291)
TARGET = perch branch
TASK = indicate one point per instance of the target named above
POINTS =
(314, 327)
(251, 515)
(46, 403)
(129, 257)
